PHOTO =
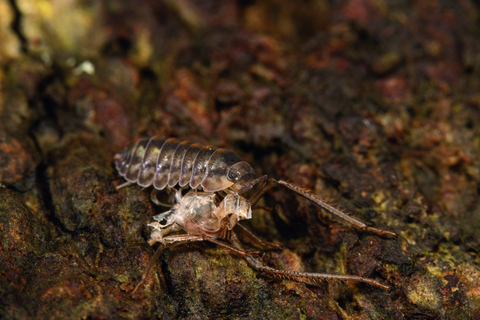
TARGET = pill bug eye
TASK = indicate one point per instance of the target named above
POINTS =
(232, 176)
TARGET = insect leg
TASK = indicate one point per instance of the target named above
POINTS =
(249, 185)
(149, 267)
(306, 277)
(175, 240)
(257, 240)
(168, 242)
(339, 214)
(266, 185)
(309, 277)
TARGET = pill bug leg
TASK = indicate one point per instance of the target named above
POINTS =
(123, 185)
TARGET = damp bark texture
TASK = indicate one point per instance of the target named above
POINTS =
(372, 105)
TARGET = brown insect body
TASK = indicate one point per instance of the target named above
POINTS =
(163, 162)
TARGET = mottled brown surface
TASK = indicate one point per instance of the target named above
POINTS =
(373, 105)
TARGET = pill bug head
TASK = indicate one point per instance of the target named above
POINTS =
(240, 174)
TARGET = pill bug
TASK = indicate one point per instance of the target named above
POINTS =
(168, 162)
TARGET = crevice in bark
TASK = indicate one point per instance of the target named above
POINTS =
(17, 25)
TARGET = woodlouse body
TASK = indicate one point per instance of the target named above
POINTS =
(163, 162)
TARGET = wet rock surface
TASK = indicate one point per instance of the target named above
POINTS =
(372, 105)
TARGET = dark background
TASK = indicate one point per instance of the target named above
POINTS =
(373, 105)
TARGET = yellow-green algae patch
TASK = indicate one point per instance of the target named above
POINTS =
(422, 291)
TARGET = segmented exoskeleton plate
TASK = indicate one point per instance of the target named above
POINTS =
(163, 162)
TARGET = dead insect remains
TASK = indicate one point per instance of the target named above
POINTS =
(212, 214)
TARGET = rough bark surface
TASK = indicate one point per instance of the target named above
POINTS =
(374, 105)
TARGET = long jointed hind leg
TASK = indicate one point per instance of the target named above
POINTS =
(256, 240)
(175, 240)
(309, 277)
(306, 277)
(150, 265)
